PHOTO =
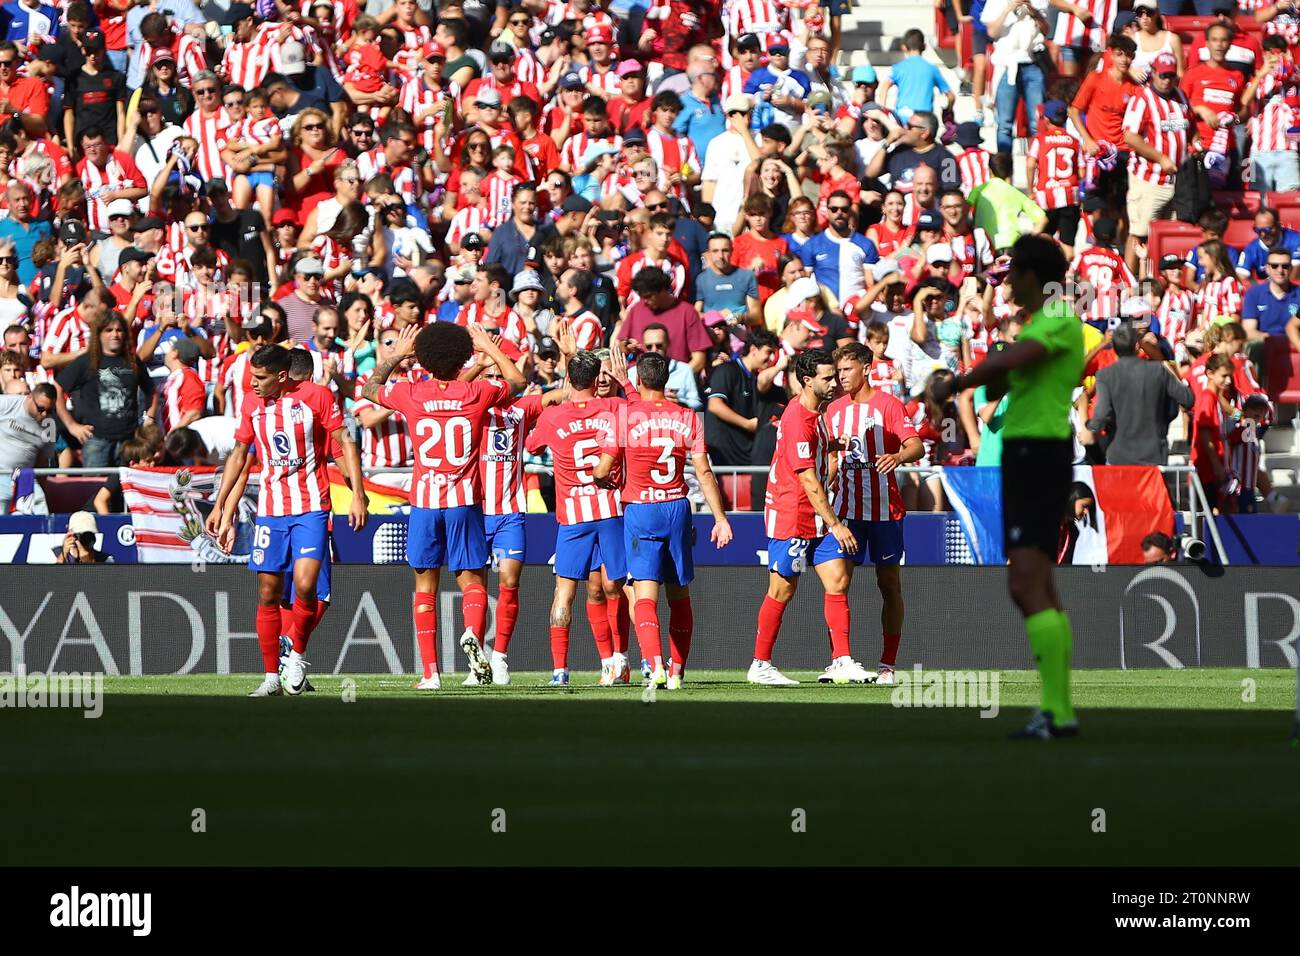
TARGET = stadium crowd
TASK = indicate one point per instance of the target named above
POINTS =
(179, 186)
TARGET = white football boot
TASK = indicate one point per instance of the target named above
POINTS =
(294, 676)
(622, 670)
(270, 687)
(607, 675)
(762, 672)
(470, 681)
(845, 670)
(500, 669)
(885, 676)
(430, 683)
(478, 661)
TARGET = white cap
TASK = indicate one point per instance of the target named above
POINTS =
(939, 252)
(82, 522)
(120, 207)
(1136, 307)
(738, 101)
(885, 267)
(803, 288)
(293, 58)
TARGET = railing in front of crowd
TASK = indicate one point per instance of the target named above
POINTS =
(1185, 489)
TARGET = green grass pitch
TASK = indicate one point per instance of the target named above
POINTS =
(1184, 770)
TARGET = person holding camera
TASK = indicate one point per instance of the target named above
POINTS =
(79, 543)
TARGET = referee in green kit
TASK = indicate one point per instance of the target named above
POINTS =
(1040, 370)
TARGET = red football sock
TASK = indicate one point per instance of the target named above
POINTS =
(890, 654)
(507, 614)
(598, 618)
(681, 625)
(286, 620)
(620, 622)
(559, 647)
(474, 607)
(304, 621)
(321, 608)
(769, 626)
(646, 615)
(426, 630)
(836, 609)
(268, 636)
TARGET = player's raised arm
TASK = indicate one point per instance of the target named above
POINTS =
(509, 371)
(360, 509)
(402, 349)
(721, 534)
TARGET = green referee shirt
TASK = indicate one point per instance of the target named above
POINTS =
(998, 208)
(1041, 393)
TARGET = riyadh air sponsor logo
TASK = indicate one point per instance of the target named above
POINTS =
(1133, 626)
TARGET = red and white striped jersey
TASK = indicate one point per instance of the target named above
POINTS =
(586, 328)
(210, 131)
(510, 323)
(237, 383)
(867, 430)
(631, 265)
(416, 97)
(882, 374)
(222, 349)
(68, 332)
(757, 17)
(292, 435)
(971, 250)
(467, 220)
(501, 462)
(1177, 315)
(1071, 31)
(1268, 126)
(1105, 270)
(405, 178)
(575, 431)
(498, 189)
(247, 64)
(388, 444)
(1057, 159)
(1244, 452)
(654, 440)
(734, 80)
(447, 422)
(182, 392)
(1220, 299)
(801, 443)
(1165, 123)
(253, 132)
(415, 37)
(190, 56)
(332, 256)
(120, 172)
(973, 163)
(607, 82)
(575, 147)
(528, 68)
(673, 153)
(173, 264)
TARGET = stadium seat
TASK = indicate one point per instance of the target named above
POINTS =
(1290, 216)
(944, 37)
(1282, 200)
(65, 494)
(1171, 238)
(1190, 27)
(1234, 204)
(735, 492)
(1282, 370)
(1240, 232)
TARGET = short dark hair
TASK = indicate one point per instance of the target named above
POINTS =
(1002, 165)
(806, 365)
(497, 274)
(271, 357)
(404, 293)
(459, 30)
(1158, 539)
(1125, 44)
(1280, 251)
(914, 40)
(652, 370)
(594, 104)
(651, 281)
(182, 443)
(300, 364)
(584, 369)
(666, 100)
(761, 338)
(1042, 256)
(443, 348)
(1124, 339)
(855, 351)
(45, 390)
(581, 280)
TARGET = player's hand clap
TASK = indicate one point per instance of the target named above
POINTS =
(721, 533)
(618, 364)
(405, 344)
(844, 537)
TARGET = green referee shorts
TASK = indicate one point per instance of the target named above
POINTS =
(1036, 477)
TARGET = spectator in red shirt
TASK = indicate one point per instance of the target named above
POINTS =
(758, 249)
(1244, 52)
(22, 96)
(1208, 416)
(835, 163)
(1102, 98)
(629, 108)
(1214, 92)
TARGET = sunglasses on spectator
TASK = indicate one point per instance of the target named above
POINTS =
(648, 173)
(149, 110)
(198, 227)
(206, 91)
(311, 127)
(942, 264)
(1279, 265)
(655, 207)
(7, 63)
(477, 146)
(364, 131)
(1167, 76)
(353, 180)
(233, 102)
(838, 208)
(521, 22)
(11, 260)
